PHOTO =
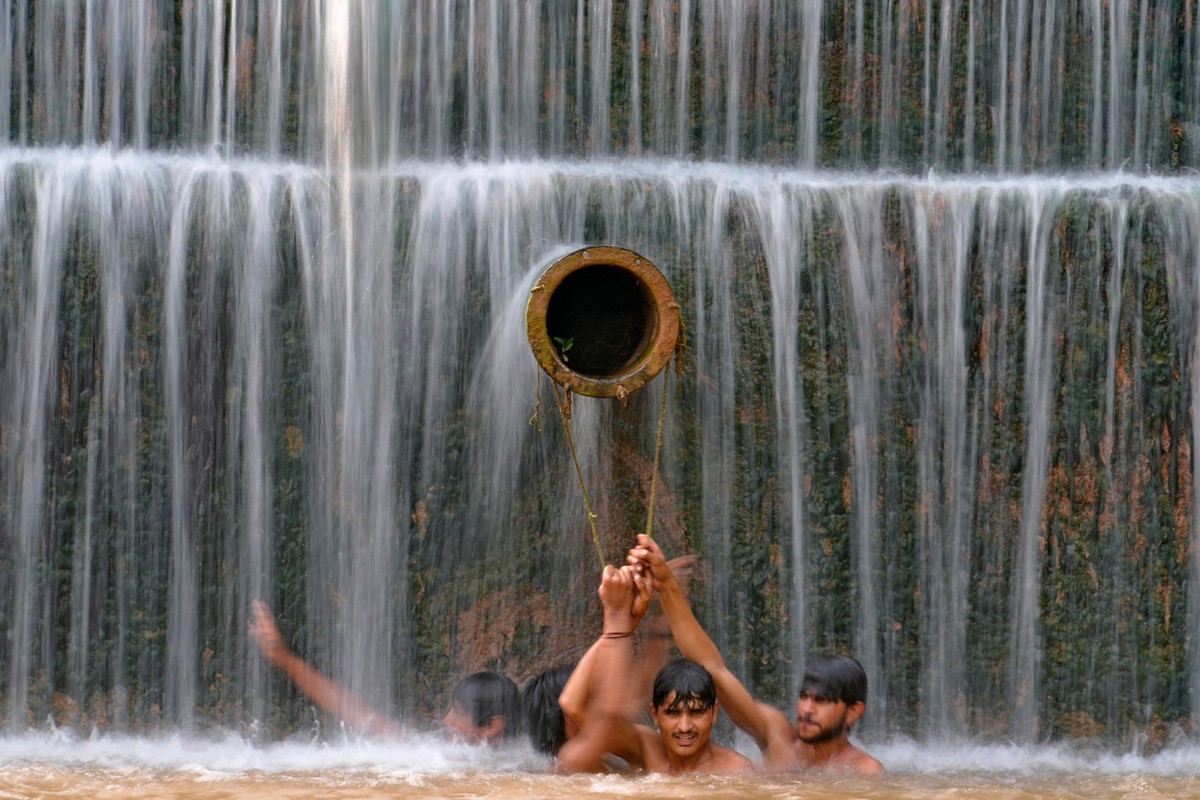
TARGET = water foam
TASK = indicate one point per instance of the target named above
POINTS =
(220, 756)
(231, 753)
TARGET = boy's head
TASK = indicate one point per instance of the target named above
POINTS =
(684, 707)
(832, 697)
(484, 706)
(839, 678)
(543, 715)
(683, 681)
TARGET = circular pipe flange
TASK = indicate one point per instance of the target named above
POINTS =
(602, 321)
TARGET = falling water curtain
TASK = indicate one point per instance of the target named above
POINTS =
(261, 270)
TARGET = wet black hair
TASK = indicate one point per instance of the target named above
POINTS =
(840, 678)
(691, 683)
(543, 715)
(485, 695)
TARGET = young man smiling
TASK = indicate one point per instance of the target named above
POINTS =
(683, 705)
(684, 709)
(832, 696)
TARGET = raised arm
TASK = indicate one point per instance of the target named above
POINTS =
(764, 723)
(319, 688)
(655, 633)
(574, 697)
(603, 675)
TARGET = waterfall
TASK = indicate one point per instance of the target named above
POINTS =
(262, 275)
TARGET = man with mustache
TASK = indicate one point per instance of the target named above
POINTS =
(832, 697)
(683, 705)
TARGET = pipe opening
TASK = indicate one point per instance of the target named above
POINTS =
(602, 321)
(601, 318)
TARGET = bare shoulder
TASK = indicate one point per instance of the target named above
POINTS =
(727, 761)
(863, 762)
(651, 750)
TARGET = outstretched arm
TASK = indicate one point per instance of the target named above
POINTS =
(319, 688)
(759, 720)
(604, 675)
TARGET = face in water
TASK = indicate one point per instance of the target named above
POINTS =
(481, 705)
(684, 724)
(457, 724)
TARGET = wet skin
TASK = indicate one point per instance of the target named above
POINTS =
(684, 731)
(819, 718)
(457, 724)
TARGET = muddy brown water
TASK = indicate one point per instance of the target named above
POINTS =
(62, 766)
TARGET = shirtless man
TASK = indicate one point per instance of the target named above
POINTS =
(545, 723)
(484, 706)
(832, 696)
(684, 703)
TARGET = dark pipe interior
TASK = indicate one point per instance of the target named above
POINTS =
(603, 313)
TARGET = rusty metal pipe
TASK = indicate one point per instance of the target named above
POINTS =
(602, 321)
